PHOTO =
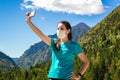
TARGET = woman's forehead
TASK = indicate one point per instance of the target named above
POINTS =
(60, 25)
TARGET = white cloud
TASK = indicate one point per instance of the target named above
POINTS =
(82, 7)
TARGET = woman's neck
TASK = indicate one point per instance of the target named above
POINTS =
(64, 40)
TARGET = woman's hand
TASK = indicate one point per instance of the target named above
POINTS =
(29, 15)
(74, 77)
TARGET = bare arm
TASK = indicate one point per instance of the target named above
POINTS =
(43, 37)
(85, 61)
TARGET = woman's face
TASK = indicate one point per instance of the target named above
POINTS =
(62, 31)
(61, 27)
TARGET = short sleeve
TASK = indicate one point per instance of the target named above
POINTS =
(52, 44)
(78, 49)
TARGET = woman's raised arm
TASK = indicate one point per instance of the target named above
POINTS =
(42, 36)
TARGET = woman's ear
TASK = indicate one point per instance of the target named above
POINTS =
(68, 31)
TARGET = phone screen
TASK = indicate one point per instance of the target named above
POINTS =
(32, 13)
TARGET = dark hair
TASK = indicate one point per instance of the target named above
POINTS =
(68, 26)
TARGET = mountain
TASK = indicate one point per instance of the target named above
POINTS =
(36, 54)
(78, 30)
(102, 45)
(6, 63)
(40, 52)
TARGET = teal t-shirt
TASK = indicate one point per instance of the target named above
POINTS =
(62, 61)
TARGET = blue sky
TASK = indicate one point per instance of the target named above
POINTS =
(15, 34)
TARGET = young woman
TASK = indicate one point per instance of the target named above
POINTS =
(63, 50)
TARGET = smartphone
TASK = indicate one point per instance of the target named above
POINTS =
(32, 13)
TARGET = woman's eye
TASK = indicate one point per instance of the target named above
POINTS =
(60, 29)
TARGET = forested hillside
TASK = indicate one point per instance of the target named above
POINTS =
(102, 46)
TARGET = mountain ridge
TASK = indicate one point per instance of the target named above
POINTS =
(6, 63)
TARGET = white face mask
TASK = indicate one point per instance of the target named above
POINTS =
(61, 34)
